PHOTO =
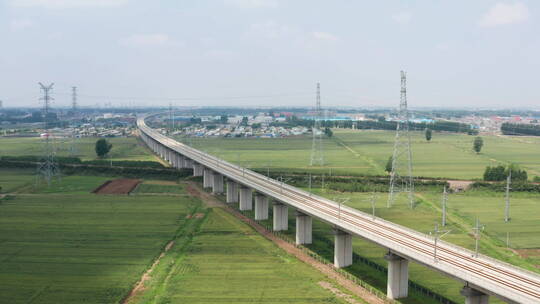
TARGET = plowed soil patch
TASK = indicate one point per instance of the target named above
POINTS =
(117, 186)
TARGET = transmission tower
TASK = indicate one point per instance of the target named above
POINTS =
(507, 197)
(401, 179)
(171, 118)
(444, 202)
(317, 158)
(47, 168)
(74, 105)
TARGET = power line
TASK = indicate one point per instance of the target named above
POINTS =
(190, 98)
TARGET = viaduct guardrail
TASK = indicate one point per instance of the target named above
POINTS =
(482, 276)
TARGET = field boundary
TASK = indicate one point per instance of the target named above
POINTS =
(343, 278)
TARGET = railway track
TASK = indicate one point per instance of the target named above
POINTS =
(489, 274)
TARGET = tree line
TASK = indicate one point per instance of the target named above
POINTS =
(380, 124)
(501, 173)
(520, 129)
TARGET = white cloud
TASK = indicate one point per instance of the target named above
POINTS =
(402, 17)
(60, 4)
(252, 3)
(324, 36)
(502, 14)
(20, 24)
(147, 40)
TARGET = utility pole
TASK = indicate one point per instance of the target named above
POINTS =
(401, 179)
(507, 196)
(437, 236)
(477, 233)
(47, 167)
(341, 201)
(444, 202)
(373, 200)
(317, 158)
(310, 184)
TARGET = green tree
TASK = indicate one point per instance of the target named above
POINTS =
(328, 132)
(102, 147)
(223, 119)
(428, 134)
(478, 144)
(244, 121)
(500, 173)
(388, 167)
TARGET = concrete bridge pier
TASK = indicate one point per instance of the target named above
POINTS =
(217, 183)
(183, 162)
(177, 159)
(473, 296)
(342, 248)
(232, 191)
(261, 207)
(303, 228)
(280, 217)
(188, 163)
(398, 276)
(246, 199)
(168, 156)
(207, 178)
(198, 169)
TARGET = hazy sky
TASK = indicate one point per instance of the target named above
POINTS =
(477, 53)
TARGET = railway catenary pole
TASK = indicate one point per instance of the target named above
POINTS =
(485, 275)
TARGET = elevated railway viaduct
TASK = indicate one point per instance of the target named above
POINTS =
(482, 276)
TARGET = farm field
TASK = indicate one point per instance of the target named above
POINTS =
(365, 152)
(124, 148)
(228, 262)
(463, 208)
(70, 246)
(64, 245)
(13, 179)
(422, 219)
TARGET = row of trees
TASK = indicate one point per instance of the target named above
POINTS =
(381, 124)
(520, 129)
(501, 173)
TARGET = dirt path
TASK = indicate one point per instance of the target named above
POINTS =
(139, 287)
(208, 199)
(329, 271)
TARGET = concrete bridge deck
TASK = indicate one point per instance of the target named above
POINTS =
(482, 275)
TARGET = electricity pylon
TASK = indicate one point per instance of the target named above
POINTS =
(317, 158)
(507, 196)
(444, 203)
(401, 179)
(47, 167)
